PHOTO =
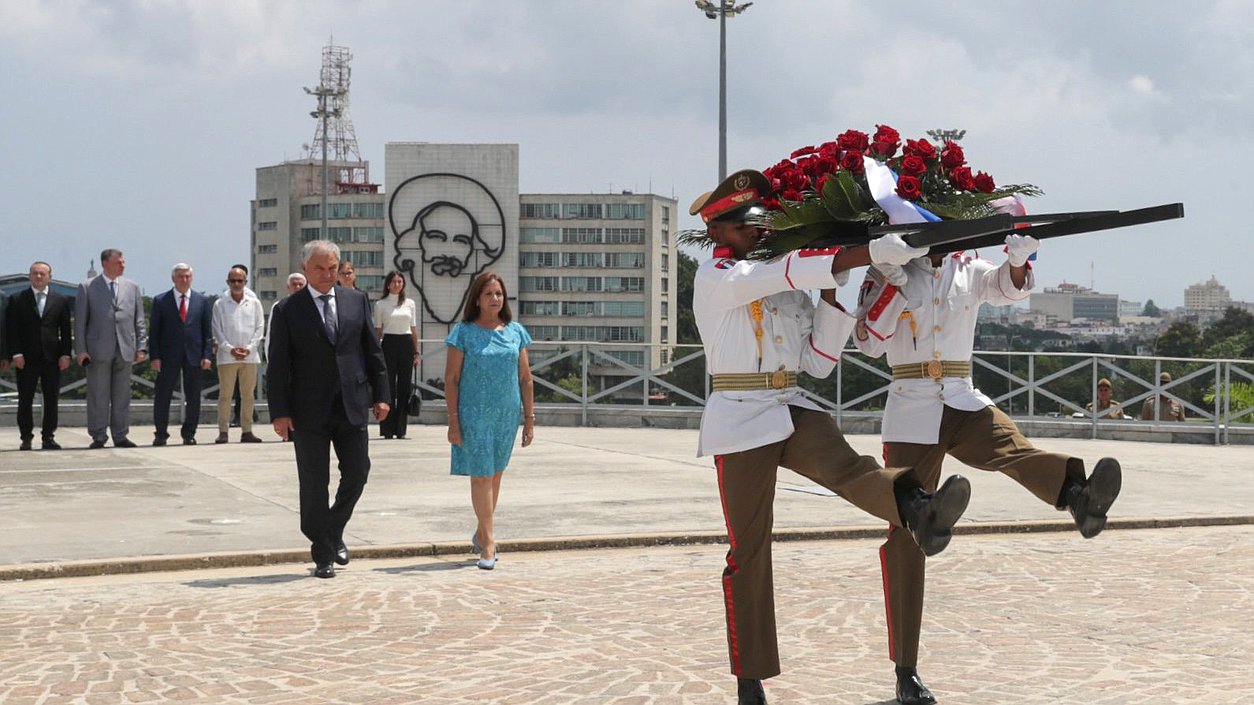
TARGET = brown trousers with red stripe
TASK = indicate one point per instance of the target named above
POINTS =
(988, 440)
(746, 480)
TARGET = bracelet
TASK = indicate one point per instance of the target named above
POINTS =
(531, 416)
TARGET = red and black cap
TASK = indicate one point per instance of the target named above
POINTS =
(734, 199)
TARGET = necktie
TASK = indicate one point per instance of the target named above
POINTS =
(183, 307)
(40, 299)
(113, 289)
(328, 317)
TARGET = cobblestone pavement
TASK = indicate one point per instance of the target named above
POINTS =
(1153, 616)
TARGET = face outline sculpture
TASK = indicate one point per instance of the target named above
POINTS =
(447, 228)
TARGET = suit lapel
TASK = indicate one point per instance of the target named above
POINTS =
(312, 313)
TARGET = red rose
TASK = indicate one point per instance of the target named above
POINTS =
(884, 133)
(803, 151)
(821, 182)
(771, 204)
(791, 195)
(829, 149)
(852, 139)
(909, 188)
(951, 156)
(921, 149)
(984, 183)
(882, 149)
(913, 165)
(961, 178)
(852, 161)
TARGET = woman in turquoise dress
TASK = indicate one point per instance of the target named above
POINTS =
(487, 385)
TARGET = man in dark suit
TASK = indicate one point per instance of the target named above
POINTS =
(325, 369)
(180, 342)
(38, 338)
(111, 338)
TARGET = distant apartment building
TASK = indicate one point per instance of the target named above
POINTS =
(287, 212)
(1068, 302)
(1209, 296)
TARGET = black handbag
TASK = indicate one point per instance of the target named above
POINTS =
(415, 404)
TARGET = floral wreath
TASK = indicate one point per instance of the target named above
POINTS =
(833, 193)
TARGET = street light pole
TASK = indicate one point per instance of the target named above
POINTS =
(720, 12)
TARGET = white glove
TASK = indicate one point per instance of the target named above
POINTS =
(1019, 248)
(891, 249)
(842, 277)
(893, 274)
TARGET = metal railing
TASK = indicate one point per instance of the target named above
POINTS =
(1028, 385)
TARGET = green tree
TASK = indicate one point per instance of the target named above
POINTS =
(1230, 336)
(685, 322)
(1181, 339)
(1151, 310)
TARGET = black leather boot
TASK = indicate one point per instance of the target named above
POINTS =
(1089, 501)
(930, 518)
(910, 688)
(749, 692)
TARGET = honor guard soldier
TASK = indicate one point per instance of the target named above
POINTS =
(923, 315)
(760, 329)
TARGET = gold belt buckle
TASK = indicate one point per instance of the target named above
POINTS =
(779, 379)
(935, 370)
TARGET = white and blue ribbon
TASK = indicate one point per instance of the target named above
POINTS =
(883, 183)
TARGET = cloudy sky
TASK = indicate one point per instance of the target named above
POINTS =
(139, 123)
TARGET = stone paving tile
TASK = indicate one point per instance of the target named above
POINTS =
(1135, 616)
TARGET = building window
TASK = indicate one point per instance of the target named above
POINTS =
(267, 249)
(586, 211)
(624, 211)
(624, 260)
(310, 234)
(624, 236)
(666, 214)
(627, 334)
(581, 259)
(363, 259)
(544, 332)
(666, 262)
(665, 334)
(537, 283)
(373, 233)
(579, 308)
(634, 358)
(541, 235)
(581, 283)
(665, 285)
(340, 234)
(538, 259)
(367, 210)
(268, 225)
(622, 308)
(539, 308)
(580, 333)
(268, 272)
(310, 212)
(624, 283)
(370, 282)
(269, 296)
(339, 210)
(267, 203)
(666, 307)
(581, 235)
(541, 210)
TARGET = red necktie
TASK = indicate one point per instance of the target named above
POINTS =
(183, 307)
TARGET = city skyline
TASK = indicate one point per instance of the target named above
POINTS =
(139, 126)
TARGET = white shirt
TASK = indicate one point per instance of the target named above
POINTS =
(795, 336)
(238, 324)
(943, 303)
(393, 319)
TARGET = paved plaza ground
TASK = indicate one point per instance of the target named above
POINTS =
(1140, 614)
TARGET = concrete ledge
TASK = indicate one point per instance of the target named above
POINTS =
(154, 564)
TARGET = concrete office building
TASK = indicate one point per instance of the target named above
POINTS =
(1209, 296)
(1069, 302)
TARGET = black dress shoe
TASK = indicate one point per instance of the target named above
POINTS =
(910, 688)
(124, 443)
(749, 692)
(158, 441)
(25, 445)
(50, 444)
(931, 518)
(189, 441)
(341, 553)
(324, 570)
(1089, 502)
(96, 445)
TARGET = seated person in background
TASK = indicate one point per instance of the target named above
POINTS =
(1162, 407)
(1104, 402)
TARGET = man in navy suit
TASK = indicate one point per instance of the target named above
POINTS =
(38, 338)
(324, 377)
(180, 344)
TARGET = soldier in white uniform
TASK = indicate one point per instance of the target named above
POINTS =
(760, 328)
(923, 315)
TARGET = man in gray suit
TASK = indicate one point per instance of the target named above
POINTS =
(110, 337)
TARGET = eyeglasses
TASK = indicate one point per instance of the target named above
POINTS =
(236, 281)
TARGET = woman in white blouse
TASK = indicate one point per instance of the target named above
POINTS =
(396, 322)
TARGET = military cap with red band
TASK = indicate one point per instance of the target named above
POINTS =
(734, 197)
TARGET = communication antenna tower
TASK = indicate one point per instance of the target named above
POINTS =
(336, 131)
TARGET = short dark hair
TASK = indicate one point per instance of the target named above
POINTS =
(240, 266)
(108, 254)
(471, 311)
